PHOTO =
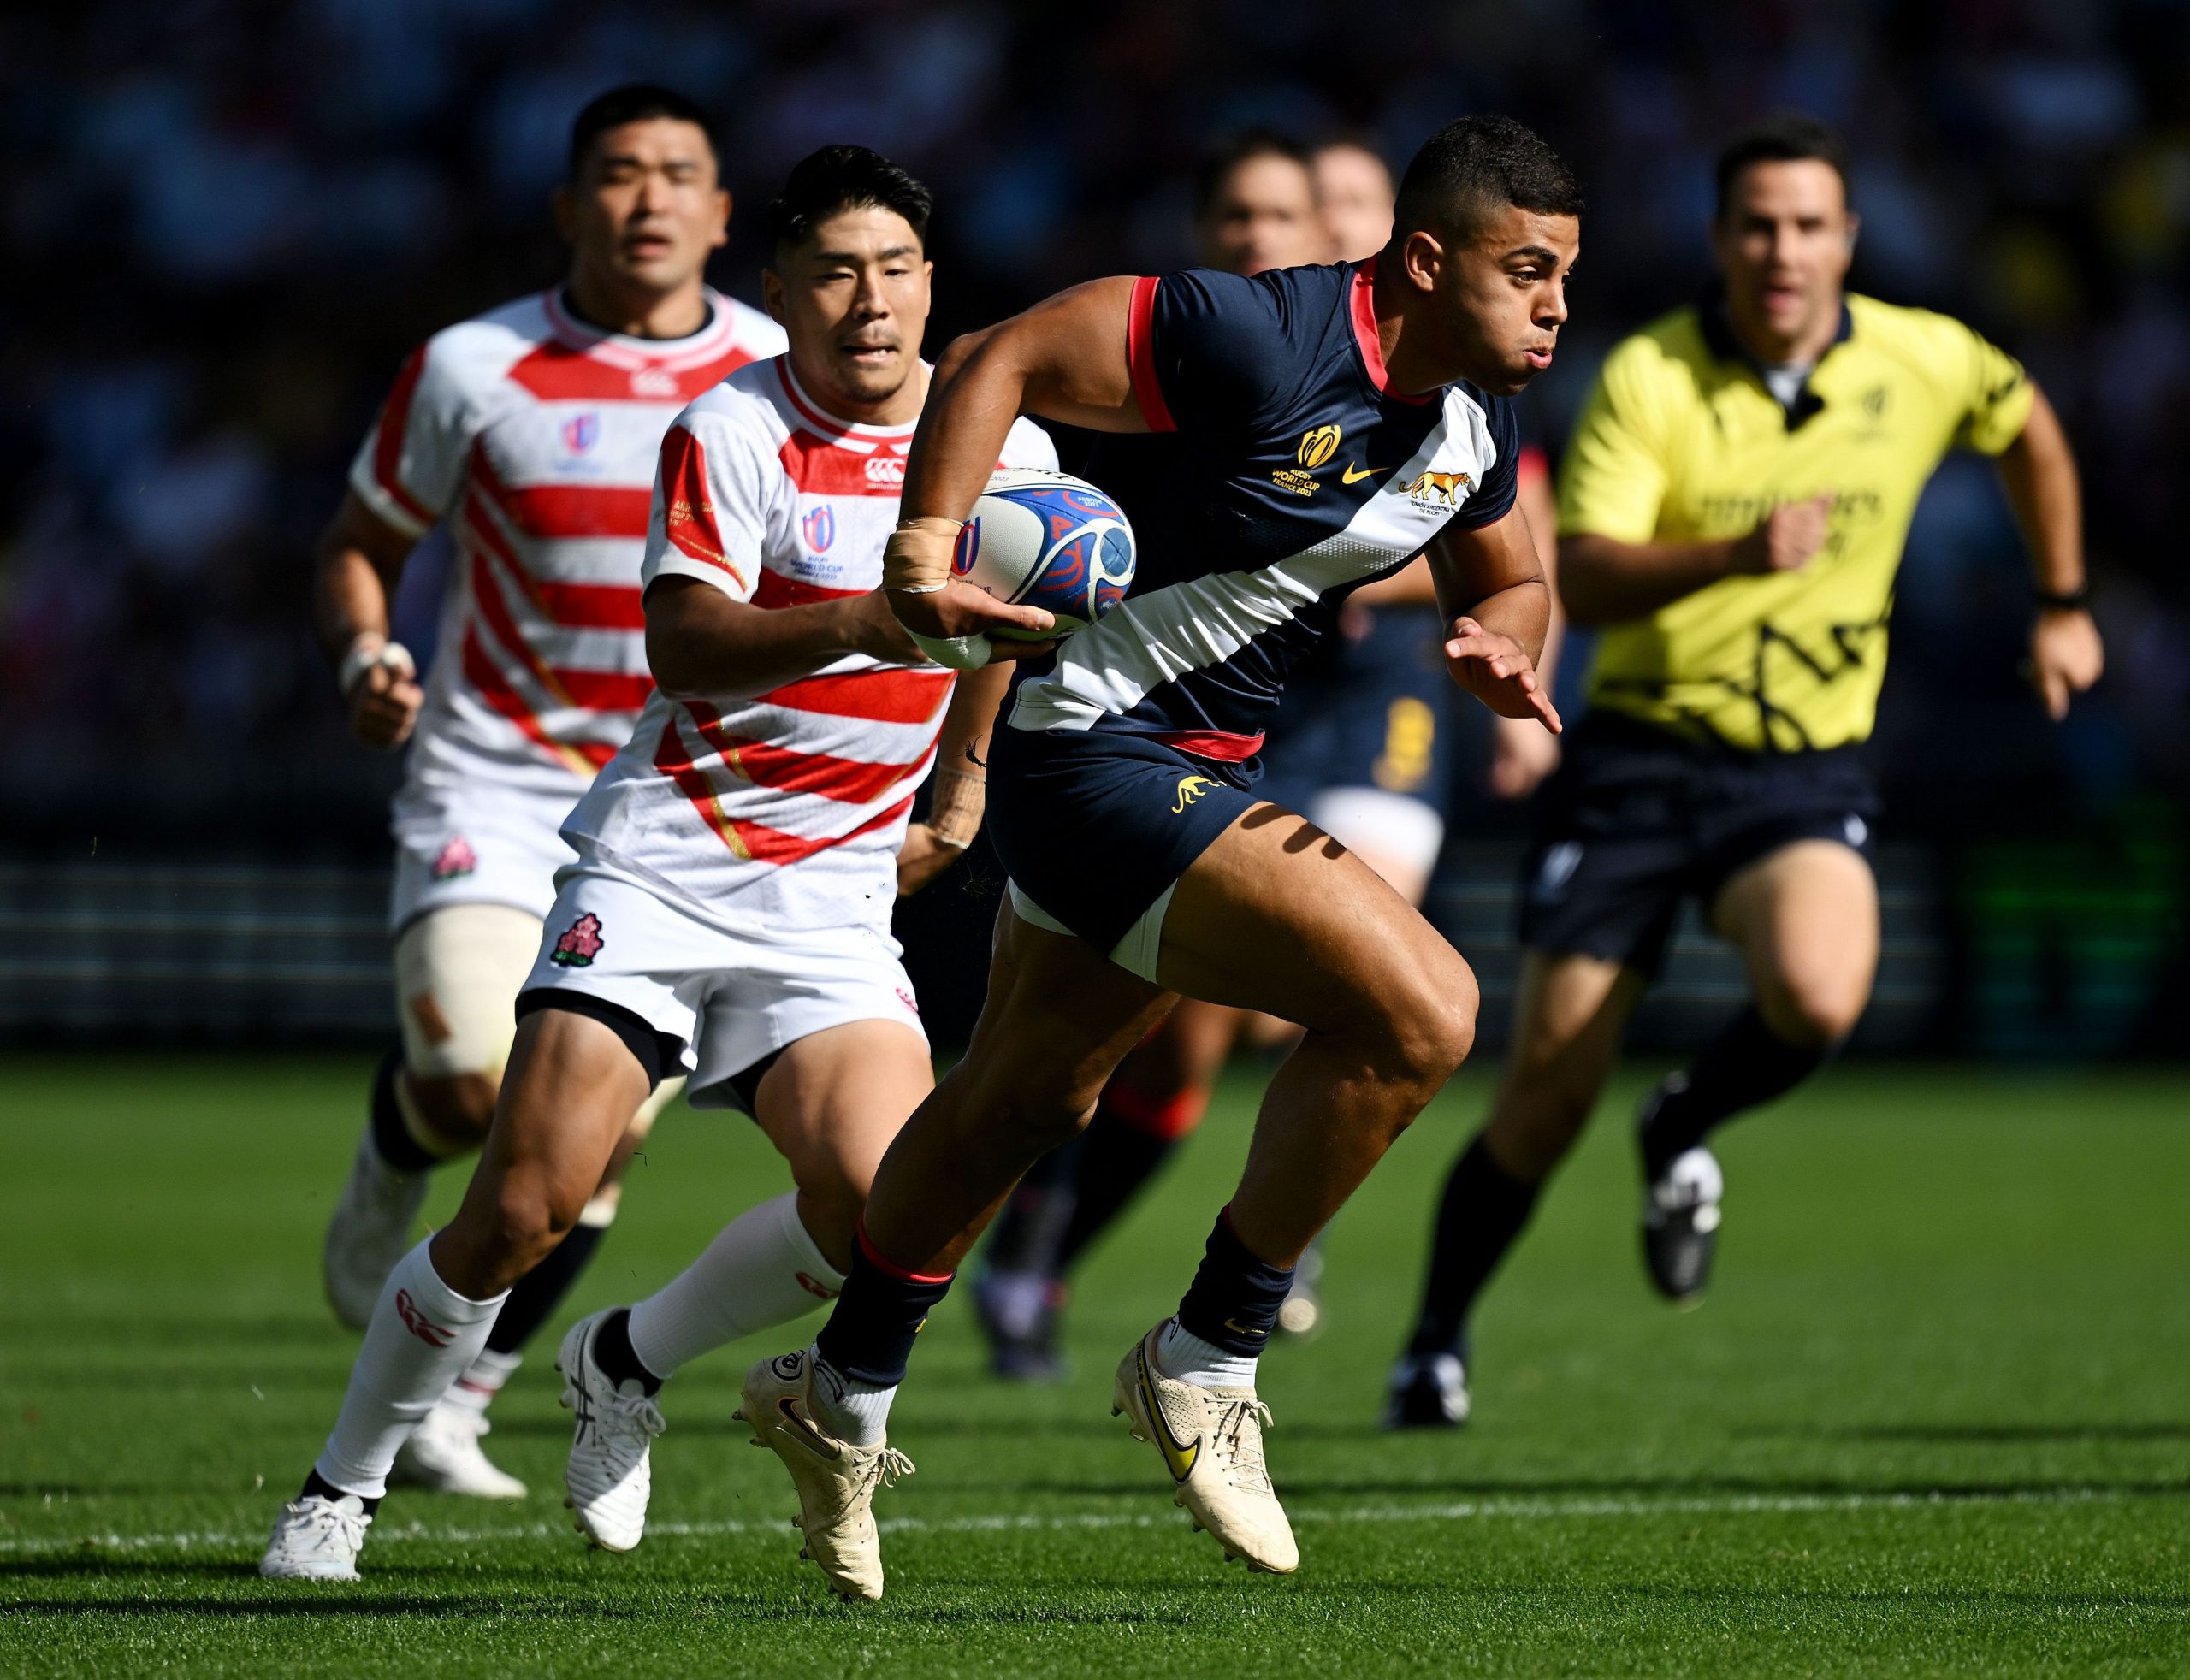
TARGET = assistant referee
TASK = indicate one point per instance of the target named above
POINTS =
(1733, 506)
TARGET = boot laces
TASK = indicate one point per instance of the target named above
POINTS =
(1241, 1448)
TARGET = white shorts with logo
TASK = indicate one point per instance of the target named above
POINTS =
(483, 845)
(730, 999)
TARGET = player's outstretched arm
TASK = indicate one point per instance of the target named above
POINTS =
(2039, 471)
(1523, 755)
(700, 643)
(1492, 591)
(1063, 359)
(359, 561)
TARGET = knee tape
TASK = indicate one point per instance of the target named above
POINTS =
(458, 972)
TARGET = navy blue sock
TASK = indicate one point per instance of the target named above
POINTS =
(1744, 1066)
(391, 1137)
(869, 1335)
(1483, 1213)
(316, 1483)
(533, 1302)
(1233, 1300)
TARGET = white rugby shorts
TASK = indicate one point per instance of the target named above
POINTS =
(729, 998)
(485, 845)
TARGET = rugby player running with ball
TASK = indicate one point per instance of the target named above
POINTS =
(1142, 867)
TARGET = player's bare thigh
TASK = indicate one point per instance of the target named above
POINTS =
(1806, 919)
(568, 1094)
(1568, 1015)
(1279, 917)
(831, 1105)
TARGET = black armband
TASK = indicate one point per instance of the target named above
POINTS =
(2070, 600)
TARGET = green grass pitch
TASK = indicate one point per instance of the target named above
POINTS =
(1935, 1417)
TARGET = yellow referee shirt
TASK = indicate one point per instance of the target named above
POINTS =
(1681, 441)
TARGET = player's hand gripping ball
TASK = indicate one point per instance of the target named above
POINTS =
(1047, 540)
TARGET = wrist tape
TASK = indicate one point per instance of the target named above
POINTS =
(955, 813)
(367, 650)
(916, 559)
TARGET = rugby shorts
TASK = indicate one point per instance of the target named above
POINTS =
(691, 996)
(1636, 820)
(1095, 826)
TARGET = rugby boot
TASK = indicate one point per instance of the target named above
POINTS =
(836, 1480)
(443, 1454)
(1427, 1391)
(317, 1539)
(609, 1475)
(1211, 1443)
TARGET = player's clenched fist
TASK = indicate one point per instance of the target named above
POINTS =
(1496, 671)
(381, 685)
(1790, 535)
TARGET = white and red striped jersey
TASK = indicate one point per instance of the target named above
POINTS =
(764, 496)
(534, 436)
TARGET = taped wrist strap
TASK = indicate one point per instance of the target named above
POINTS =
(367, 650)
(954, 813)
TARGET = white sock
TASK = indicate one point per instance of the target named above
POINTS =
(423, 1335)
(1184, 1356)
(855, 1412)
(761, 1270)
(474, 1391)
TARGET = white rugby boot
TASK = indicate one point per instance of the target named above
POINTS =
(1680, 1225)
(369, 1232)
(836, 1480)
(443, 1454)
(317, 1539)
(610, 1475)
(1212, 1441)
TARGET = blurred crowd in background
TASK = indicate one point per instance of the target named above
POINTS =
(226, 222)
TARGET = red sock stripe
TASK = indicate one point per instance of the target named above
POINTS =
(1170, 1117)
(877, 1259)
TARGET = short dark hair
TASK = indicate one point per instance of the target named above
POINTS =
(841, 178)
(634, 102)
(1477, 166)
(1788, 137)
(1218, 162)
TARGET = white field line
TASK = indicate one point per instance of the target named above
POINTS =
(1510, 1510)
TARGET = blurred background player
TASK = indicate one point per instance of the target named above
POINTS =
(532, 431)
(728, 912)
(1363, 746)
(1733, 506)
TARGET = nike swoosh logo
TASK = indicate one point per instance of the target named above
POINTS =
(1240, 1329)
(1354, 474)
(1179, 1459)
(807, 1435)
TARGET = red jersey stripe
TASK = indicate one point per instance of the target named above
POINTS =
(764, 764)
(387, 447)
(820, 468)
(775, 589)
(559, 372)
(1140, 355)
(688, 508)
(884, 696)
(584, 757)
(553, 511)
(752, 842)
(572, 606)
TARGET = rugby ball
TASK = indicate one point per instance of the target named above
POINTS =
(1047, 540)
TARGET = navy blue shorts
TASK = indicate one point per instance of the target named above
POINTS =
(1636, 820)
(1094, 825)
(1374, 712)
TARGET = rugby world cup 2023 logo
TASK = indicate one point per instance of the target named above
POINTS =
(1317, 445)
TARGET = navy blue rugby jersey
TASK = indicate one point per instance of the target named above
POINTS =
(1285, 473)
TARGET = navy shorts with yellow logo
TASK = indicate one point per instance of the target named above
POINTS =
(1094, 825)
(1636, 820)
